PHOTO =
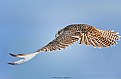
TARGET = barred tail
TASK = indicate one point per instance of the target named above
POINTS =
(109, 37)
(99, 38)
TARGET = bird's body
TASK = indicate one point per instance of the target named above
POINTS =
(86, 34)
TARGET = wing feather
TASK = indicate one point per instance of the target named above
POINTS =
(61, 42)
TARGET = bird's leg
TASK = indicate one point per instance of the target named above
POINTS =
(25, 57)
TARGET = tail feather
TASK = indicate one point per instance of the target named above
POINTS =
(101, 38)
(92, 42)
(87, 41)
(82, 39)
(97, 42)
(110, 35)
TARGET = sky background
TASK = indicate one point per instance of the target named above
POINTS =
(27, 25)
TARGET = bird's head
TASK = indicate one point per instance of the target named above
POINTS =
(59, 32)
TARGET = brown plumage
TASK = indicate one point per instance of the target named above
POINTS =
(86, 34)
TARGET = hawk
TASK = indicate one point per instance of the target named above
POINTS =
(86, 34)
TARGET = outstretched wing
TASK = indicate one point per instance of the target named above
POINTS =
(61, 42)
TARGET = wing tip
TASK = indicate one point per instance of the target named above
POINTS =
(12, 63)
(13, 55)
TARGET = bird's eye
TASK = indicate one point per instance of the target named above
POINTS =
(59, 32)
(56, 35)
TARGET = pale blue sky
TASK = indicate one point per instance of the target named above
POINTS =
(27, 25)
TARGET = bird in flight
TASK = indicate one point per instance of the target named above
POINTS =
(86, 34)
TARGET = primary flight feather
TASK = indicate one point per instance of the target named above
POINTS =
(86, 34)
